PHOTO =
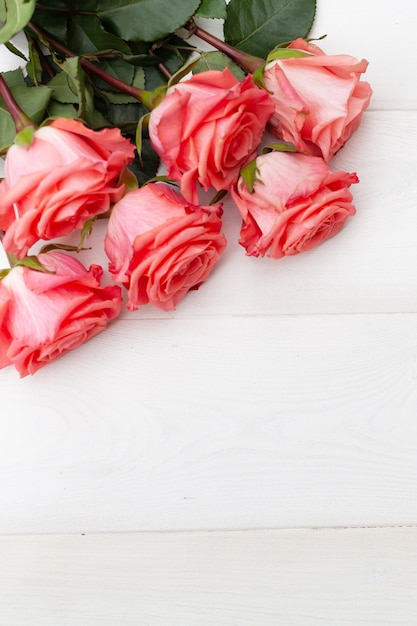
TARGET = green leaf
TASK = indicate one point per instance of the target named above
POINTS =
(145, 20)
(14, 14)
(33, 101)
(86, 36)
(15, 78)
(58, 109)
(47, 20)
(34, 65)
(76, 84)
(257, 26)
(212, 8)
(61, 90)
(118, 68)
(217, 61)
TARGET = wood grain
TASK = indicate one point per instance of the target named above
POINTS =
(355, 577)
(227, 422)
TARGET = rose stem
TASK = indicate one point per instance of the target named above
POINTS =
(140, 94)
(247, 62)
(20, 119)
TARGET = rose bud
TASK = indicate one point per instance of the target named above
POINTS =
(319, 99)
(296, 203)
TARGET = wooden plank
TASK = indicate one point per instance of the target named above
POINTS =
(238, 422)
(361, 577)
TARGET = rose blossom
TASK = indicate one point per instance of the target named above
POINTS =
(319, 99)
(296, 203)
(67, 175)
(44, 315)
(160, 246)
(207, 127)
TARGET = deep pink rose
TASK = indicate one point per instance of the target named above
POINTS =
(160, 246)
(319, 99)
(68, 175)
(207, 127)
(44, 315)
(296, 203)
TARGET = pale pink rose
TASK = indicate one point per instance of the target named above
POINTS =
(43, 315)
(296, 204)
(207, 127)
(67, 175)
(319, 99)
(160, 246)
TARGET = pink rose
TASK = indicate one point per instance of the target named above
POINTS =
(67, 175)
(207, 127)
(44, 315)
(319, 99)
(296, 203)
(160, 246)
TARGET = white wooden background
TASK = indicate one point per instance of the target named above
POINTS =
(250, 459)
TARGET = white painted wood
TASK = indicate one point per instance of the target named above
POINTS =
(379, 31)
(227, 422)
(356, 577)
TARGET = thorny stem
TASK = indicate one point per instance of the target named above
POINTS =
(247, 62)
(20, 119)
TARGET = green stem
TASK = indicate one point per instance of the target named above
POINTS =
(20, 119)
(247, 62)
(144, 96)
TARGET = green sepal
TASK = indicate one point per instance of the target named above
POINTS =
(161, 179)
(25, 137)
(249, 174)
(183, 71)
(258, 77)
(151, 99)
(142, 125)
(286, 53)
(218, 197)
(12, 48)
(280, 146)
(86, 231)
(129, 180)
(59, 246)
(31, 262)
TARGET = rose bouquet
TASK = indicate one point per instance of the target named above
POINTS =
(116, 115)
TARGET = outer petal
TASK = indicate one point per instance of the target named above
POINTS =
(297, 204)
